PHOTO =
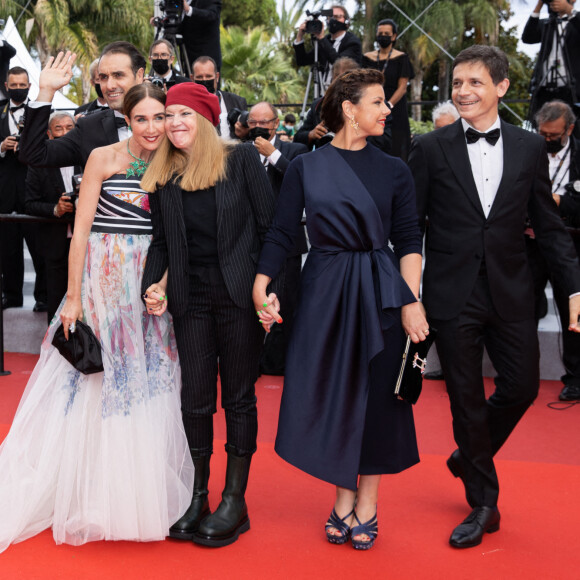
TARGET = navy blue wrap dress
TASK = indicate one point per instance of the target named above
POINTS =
(339, 416)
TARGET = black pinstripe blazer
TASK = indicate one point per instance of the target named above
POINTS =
(245, 207)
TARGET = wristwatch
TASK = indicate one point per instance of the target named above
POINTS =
(55, 211)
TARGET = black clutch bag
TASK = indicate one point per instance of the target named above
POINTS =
(82, 349)
(410, 381)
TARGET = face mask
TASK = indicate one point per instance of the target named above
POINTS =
(99, 90)
(554, 146)
(335, 26)
(17, 95)
(256, 132)
(384, 41)
(289, 127)
(160, 66)
(209, 85)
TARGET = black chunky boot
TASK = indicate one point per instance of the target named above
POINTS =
(186, 526)
(231, 517)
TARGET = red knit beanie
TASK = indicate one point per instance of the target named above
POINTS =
(196, 97)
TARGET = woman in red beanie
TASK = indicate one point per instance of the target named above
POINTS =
(210, 211)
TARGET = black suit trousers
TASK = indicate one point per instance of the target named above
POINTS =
(481, 426)
(215, 334)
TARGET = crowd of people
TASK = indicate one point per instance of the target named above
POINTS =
(185, 259)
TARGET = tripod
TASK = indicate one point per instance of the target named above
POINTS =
(316, 74)
(557, 81)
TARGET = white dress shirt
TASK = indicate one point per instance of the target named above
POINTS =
(224, 125)
(273, 159)
(486, 165)
(559, 168)
(14, 117)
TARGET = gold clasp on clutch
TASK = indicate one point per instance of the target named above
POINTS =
(419, 362)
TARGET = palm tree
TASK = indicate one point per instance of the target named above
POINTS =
(253, 67)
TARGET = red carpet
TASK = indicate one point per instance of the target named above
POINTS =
(539, 471)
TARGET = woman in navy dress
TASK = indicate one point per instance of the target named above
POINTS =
(339, 419)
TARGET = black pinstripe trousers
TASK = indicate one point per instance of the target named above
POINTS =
(215, 334)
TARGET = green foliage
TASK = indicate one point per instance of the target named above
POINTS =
(250, 14)
(254, 68)
(420, 127)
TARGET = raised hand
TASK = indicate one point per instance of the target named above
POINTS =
(55, 75)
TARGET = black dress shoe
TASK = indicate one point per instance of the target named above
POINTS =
(8, 303)
(570, 393)
(40, 307)
(434, 376)
(470, 531)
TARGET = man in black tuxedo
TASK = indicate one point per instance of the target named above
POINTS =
(555, 121)
(276, 155)
(338, 42)
(200, 29)
(554, 71)
(162, 57)
(476, 190)
(121, 67)
(48, 194)
(12, 185)
(205, 72)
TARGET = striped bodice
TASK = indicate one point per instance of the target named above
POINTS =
(123, 207)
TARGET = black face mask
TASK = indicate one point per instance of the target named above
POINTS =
(384, 40)
(554, 146)
(17, 95)
(209, 85)
(160, 66)
(335, 26)
(256, 132)
(99, 90)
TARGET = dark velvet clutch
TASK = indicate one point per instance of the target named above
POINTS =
(82, 349)
(410, 381)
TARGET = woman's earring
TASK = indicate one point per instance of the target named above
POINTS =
(354, 124)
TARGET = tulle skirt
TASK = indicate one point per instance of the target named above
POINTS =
(103, 456)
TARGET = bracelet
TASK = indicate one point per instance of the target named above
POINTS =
(55, 211)
(390, 105)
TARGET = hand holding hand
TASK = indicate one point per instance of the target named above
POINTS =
(414, 321)
(155, 299)
(70, 313)
(268, 310)
(55, 75)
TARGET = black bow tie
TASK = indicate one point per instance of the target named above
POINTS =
(120, 122)
(474, 136)
(15, 108)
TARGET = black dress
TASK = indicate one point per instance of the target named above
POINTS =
(394, 69)
(339, 417)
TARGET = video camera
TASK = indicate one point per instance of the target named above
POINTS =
(313, 24)
(170, 18)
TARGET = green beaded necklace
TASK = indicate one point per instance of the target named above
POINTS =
(138, 167)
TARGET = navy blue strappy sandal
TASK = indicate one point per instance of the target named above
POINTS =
(370, 528)
(339, 524)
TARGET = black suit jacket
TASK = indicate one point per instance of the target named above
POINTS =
(95, 130)
(233, 101)
(201, 31)
(88, 108)
(570, 204)
(12, 169)
(539, 30)
(349, 46)
(44, 186)
(276, 173)
(245, 208)
(461, 237)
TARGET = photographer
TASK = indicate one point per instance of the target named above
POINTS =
(49, 193)
(205, 72)
(12, 180)
(555, 121)
(338, 42)
(162, 57)
(200, 29)
(558, 67)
